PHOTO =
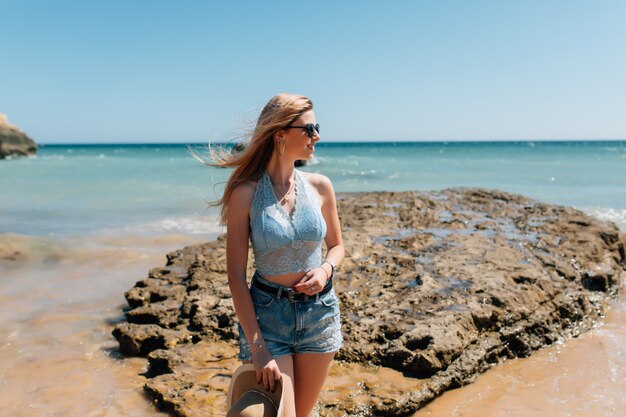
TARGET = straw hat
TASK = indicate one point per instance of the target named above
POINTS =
(246, 398)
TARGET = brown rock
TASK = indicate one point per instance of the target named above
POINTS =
(435, 289)
(14, 142)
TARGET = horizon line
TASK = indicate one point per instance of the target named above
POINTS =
(324, 143)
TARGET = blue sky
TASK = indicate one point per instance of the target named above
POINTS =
(193, 71)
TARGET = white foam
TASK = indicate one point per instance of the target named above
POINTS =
(200, 225)
(313, 161)
(617, 216)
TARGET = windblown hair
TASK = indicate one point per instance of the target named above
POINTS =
(279, 112)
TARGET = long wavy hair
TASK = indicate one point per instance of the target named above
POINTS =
(249, 163)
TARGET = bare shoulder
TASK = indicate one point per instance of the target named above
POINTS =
(243, 193)
(321, 183)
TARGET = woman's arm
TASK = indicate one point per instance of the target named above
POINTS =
(334, 241)
(313, 281)
(237, 237)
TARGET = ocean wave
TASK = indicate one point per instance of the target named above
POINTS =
(109, 246)
(183, 225)
(313, 161)
(617, 216)
(20, 249)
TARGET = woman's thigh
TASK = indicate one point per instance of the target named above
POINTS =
(285, 364)
(310, 371)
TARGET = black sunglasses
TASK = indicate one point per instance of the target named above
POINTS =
(310, 128)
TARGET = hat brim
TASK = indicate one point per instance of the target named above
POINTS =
(244, 379)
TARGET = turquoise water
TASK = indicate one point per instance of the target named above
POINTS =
(77, 190)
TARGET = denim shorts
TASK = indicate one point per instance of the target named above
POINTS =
(312, 326)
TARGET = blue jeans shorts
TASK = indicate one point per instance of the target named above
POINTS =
(288, 327)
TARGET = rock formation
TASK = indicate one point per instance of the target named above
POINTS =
(14, 142)
(436, 288)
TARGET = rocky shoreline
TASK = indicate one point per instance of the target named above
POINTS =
(14, 142)
(436, 288)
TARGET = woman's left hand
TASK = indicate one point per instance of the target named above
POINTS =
(312, 282)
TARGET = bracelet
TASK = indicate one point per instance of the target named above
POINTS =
(327, 276)
(332, 265)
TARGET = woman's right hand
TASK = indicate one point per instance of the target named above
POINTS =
(267, 370)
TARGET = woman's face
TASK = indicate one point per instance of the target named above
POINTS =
(298, 144)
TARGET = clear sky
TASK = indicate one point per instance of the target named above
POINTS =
(191, 71)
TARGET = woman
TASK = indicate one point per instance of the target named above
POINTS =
(289, 322)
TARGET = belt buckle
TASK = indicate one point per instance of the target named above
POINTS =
(290, 296)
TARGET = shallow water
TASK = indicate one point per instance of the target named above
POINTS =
(582, 377)
(58, 310)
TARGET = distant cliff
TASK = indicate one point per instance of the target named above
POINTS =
(14, 142)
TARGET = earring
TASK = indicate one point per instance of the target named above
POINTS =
(281, 151)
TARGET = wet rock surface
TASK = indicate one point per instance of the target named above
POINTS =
(436, 288)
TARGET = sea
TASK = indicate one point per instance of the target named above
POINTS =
(80, 224)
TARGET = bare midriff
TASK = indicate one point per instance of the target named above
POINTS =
(286, 280)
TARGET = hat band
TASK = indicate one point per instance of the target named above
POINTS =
(264, 395)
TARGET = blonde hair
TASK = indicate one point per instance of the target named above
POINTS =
(282, 110)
